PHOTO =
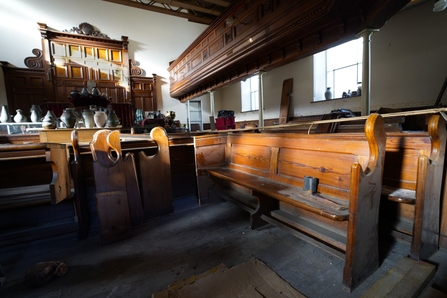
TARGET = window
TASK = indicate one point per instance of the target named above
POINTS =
(339, 68)
(250, 94)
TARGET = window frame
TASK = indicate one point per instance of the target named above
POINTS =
(250, 99)
(324, 77)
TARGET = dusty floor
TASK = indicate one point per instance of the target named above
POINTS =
(183, 244)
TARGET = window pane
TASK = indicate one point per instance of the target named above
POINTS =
(245, 95)
(342, 68)
(250, 94)
(345, 79)
(342, 55)
(254, 100)
(254, 83)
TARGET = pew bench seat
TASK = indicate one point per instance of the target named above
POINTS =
(399, 195)
(325, 205)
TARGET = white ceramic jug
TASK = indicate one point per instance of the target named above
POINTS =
(5, 116)
(100, 119)
(19, 117)
(89, 120)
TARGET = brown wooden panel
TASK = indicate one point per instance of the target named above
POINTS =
(77, 72)
(197, 60)
(216, 46)
(102, 54)
(330, 168)
(257, 157)
(19, 81)
(36, 81)
(137, 86)
(75, 51)
(104, 74)
(143, 92)
(89, 52)
(342, 143)
(116, 56)
(61, 71)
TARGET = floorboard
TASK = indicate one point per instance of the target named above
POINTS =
(188, 242)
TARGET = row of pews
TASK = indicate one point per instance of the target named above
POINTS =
(334, 190)
(70, 185)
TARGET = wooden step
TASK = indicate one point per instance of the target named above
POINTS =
(407, 278)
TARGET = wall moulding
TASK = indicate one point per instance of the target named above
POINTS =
(261, 35)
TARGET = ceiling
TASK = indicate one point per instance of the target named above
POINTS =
(198, 11)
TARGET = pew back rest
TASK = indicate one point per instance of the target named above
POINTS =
(404, 150)
(401, 158)
(288, 157)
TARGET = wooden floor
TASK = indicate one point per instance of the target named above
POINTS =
(408, 278)
(189, 242)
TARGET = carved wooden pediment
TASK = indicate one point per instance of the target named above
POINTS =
(259, 35)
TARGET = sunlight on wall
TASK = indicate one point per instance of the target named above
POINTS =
(18, 18)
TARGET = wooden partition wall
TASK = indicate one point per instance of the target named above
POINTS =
(260, 35)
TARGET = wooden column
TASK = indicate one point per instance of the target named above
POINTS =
(212, 103)
(261, 99)
(366, 75)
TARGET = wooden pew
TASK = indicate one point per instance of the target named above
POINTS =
(412, 182)
(266, 174)
(31, 172)
(148, 184)
(34, 181)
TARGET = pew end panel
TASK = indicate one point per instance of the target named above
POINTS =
(155, 177)
(110, 187)
(209, 152)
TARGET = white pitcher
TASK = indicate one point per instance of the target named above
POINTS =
(5, 116)
(19, 117)
(89, 121)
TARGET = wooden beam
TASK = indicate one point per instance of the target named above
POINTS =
(218, 2)
(182, 5)
(190, 17)
(285, 101)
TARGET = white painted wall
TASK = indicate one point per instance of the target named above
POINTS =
(409, 66)
(154, 39)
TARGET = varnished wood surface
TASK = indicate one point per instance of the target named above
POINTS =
(34, 164)
(110, 187)
(285, 101)
(273, 166)
(411, 184)
(407, 278)
(280, 32)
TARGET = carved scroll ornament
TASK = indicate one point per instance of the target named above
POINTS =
(86, 29)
